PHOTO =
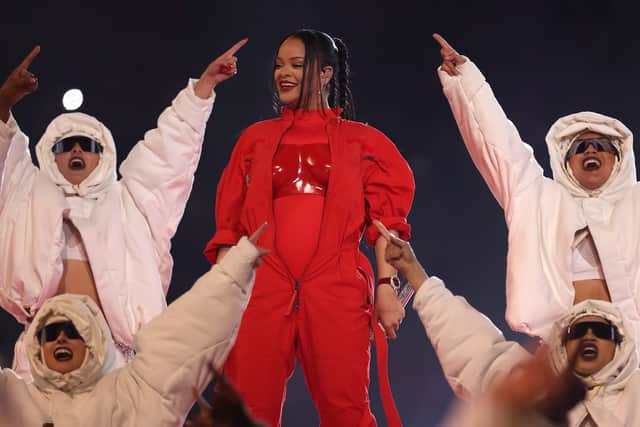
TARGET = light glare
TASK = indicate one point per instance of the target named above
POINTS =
(72, 99)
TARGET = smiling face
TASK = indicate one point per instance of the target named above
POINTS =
(76, 165)
(592, 168)
(63, 354)
(591, 352)
(288, 71)
(301, 84)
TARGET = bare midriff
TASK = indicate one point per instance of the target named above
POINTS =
(591, 289)
(77, 278)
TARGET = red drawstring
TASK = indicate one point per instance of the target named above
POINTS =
(389, 405)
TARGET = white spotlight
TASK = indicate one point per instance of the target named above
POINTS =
(72, 99)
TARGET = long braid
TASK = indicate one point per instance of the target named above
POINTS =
(343, 85)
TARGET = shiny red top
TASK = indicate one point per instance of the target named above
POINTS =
(301, 169)
(302, 162)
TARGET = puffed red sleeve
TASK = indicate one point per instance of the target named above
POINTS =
(230, 196)
(388, 186)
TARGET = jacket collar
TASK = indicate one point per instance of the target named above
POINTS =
(326, 114)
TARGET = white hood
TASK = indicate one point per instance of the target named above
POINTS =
(559, 140)
(616, 373)
(70, 124)
(90, 323)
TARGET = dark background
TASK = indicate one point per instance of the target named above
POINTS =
(543, 59)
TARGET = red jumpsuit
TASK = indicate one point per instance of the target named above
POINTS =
(313, 296)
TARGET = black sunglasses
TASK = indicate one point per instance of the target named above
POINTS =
(600, 144)
(605, 331)
(51, 332)
(86, 144)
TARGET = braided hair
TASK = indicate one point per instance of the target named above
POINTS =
(322, 50)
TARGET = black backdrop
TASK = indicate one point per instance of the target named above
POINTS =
(544, 59)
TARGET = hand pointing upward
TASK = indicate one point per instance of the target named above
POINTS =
(450, 57)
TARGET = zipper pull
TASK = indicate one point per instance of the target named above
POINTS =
(294, 303)
(297, 295)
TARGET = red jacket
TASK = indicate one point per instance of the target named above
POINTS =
(369, 180)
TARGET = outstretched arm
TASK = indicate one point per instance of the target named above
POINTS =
(174, 350)
(158, 173)
(505, 162)
(475, 356)
(473, 353)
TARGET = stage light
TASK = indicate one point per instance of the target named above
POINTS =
(72, 99)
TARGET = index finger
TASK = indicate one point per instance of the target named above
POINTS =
(235, 47)
(30, 57)
(441, 41)
(256, 234)
(383, 230)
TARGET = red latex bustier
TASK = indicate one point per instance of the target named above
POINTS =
(301, 169)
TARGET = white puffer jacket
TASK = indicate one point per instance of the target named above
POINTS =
(544, 214)
(173, 353)
(126, 225)
(475, 357)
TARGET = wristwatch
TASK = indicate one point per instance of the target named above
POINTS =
(393, 281)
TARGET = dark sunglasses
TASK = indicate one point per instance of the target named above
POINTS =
(86, 144)
(51, 332)
(605, 331)
(600, 144)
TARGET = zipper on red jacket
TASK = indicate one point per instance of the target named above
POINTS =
(296, 304)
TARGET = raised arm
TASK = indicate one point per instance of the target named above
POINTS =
(505, 162)
(158, 173)
(472, 352)
(14, 151)
(174, 350)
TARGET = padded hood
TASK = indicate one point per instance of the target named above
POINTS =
(90, 323)
(559, 140)
(71, 124)
(616, 373)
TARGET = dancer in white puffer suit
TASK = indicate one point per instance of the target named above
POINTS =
(498, 377)
(560, 230)
(120, 231)
(173, 354)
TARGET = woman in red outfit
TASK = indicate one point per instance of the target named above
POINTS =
(318, 179)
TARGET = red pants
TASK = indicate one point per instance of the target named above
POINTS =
(328, 333)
